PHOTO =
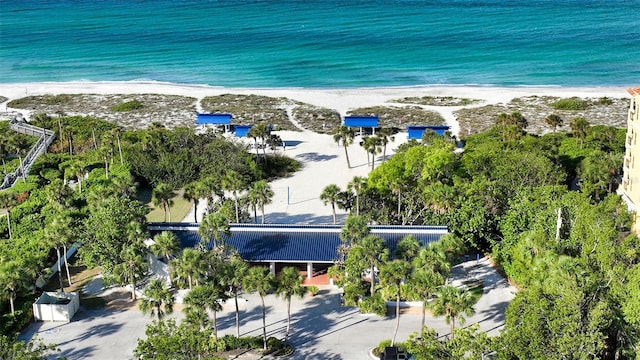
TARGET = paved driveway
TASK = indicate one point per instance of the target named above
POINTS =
(321, 328)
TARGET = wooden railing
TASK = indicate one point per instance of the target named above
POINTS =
(45, 138)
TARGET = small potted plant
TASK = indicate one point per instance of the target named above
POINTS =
(313, 290)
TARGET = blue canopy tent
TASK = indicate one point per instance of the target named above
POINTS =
(242, 130)
(417, 131)
(361, 122)
(214, 119)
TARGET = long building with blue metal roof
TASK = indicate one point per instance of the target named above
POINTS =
(314, 245)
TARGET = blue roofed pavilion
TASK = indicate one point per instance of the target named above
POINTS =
(417, 131)
(291, 244)
(213, 119)
(361, 121)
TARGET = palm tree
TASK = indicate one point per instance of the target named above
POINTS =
(579, 127)
(254, 133)
(21, 145)
(7, 201)
(201, 298)
(212, 187)
(59, 233)
(262, 194)
(77, 169)
(122, 186)
(166, 244)
(233, 273)
(116, 132)
(408, 248)
(373, 250)
(330, 195)
(190, 266)
(357, 185)
(132, 267)
(452, 304)
(194, 191)
(163, 196)
(553, 120)
(385, 135)
(345, 136)
(371, 145)
(392, 277)
(234, 182)
(214, 226)
(158, 299)
(4, 151)
(355, 229)
(14, 277)
(425, 280)
(288, 284)
(261, 280)
(263, 131)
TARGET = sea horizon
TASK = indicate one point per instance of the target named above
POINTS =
(330, 45)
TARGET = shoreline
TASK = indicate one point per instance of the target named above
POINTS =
(22, 89)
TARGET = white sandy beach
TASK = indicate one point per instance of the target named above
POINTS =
(323, 161)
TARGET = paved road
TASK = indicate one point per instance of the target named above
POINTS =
(321, 328)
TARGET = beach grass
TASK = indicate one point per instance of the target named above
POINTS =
(251, 109)
(597, 111)
(400, 116)
(126, 110)
(316, 118)
(436, 101)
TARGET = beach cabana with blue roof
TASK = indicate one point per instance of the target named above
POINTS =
(361, 122)
(214, 119)
(417, 131)
(279, 244)
(241, 130)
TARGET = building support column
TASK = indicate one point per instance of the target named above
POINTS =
(309, 270)
(272, 268)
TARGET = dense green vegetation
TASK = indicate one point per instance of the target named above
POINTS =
(85, 190)
(544, 207)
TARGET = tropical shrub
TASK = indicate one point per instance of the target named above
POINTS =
(572, 103)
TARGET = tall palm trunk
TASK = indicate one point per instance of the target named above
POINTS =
(453, 326)
(215, 325)
(59, 269)
(262, 208)
(264, 324)
(424, 313)
(395, 333)
(11, 300)
(373, 278)
(333, 207)
(66, 263)
(9, 222)
(286, 334)
(347, 155)
(235, 298)
(235, 200)
(120, 149)
(133, 287)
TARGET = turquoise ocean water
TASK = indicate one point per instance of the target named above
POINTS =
(323, 43)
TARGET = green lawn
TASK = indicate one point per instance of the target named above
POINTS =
(179, 210)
